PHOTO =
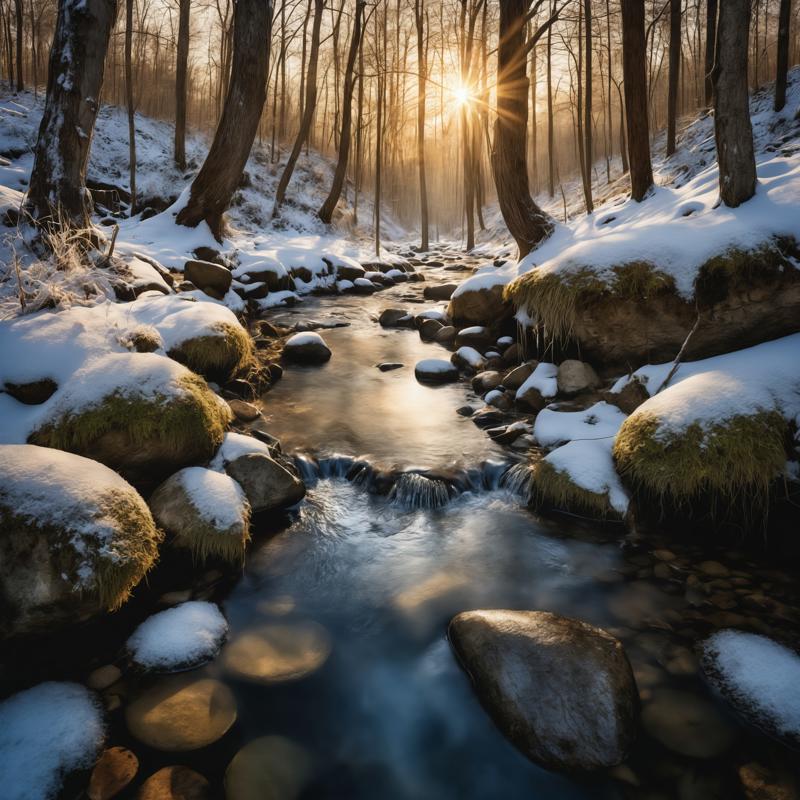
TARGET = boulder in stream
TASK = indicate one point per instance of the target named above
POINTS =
(306, 348)
(561, 690)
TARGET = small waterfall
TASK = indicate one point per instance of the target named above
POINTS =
(412, 490)
(519, 481)
(335, 466)
(308, 467)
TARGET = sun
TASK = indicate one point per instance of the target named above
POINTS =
(462, 94)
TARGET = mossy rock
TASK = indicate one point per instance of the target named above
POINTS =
(76, 539)
(160, 418)
(218, 355)
(632, 313)
(206, 512)
(733, 461)
(554, 487)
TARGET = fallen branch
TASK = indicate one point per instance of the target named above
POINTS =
(677, 362)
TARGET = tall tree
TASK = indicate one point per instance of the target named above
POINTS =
(308, 109)
(57, 191)
(525, 221)
(633, 68)
(587, 125)
(326, 212)
(18, 4)
(129, 101)
(732, 129)
(550, 118)
(782, 63)
(711, 39)
(181, 74)
(422, 79)
(213, 188)
(674, 72)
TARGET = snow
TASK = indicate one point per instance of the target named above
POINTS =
(543, 378)
(46, 733)
(475, 330)
(590, 466)
(434, 313)
(304, 339)
(218, 498)
(485, 278)
(758, 676)
(601, 421)
(187, 635)
(235, 445)
(471, 356)
(53, 487)
(765, 377)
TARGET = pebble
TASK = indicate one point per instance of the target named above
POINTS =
(103, 677)
(246, 412)
(387, 366)
(175, 783)
(115, 769)
(713, 569)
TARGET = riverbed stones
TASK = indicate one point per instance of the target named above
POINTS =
(468, 359)
(486, 381)
(103, 677)
(206, 275)
(306, 348)
(479, 305)
(175, 783)
(267, 484)
(530, 400)
(395, 318)
(76, 538)
(561, 690)
(244, 411)
(515, 377)
(269, 768)
(428, 329)
(445, 335)
(576, 376)
(475, 336)
(114, 770)
(441, 292)
(182, 713)
(435, 370)
(629, 398)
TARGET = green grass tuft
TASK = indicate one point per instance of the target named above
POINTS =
(219, 356)
(551, 486)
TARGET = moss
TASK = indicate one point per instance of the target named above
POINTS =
(729, 461)
(556, 300)
(205, 542)
(218, 356)
(115, 565)
(738, 269)
(177, 421)
(553, 486)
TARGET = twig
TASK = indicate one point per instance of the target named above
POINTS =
(113, 242)
(22, 300)
(676, 363)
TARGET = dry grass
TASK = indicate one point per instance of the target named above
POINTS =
(555, 487)
(218, 356)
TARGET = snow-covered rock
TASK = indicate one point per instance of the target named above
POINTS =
(759, 678)
(46, 733)
(205, 511)
(306, 348)
(540, 386)
(600, 422)
(479, 299)
(266, 482)
(468, 358)
(435, 370)
(76, 538)
(561, 690)
(178, 638)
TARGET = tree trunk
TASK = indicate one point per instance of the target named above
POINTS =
(674, 71)
(711, 40)
(221, 172)
(633, 68)
(732, 128)
(129, 102)
(308, 109)
(526, 222)
(20, 29)
(587, 125)
(181, 70)
(782, 64)
(422, 78)
(550, 122)
(326, 212)
(57, 192)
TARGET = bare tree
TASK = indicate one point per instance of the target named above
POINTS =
(129, 102)
(711, 38)
(181, 70)
(422, 77)
(18, 4)
(525, 221)
(326, 212)
(636, 113)
(213, 188)
(57, 192)
(674, 72)
(782, 65)
(732, 129)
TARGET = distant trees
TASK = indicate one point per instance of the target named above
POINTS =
(636, 117)
(212, 189)
(732, 129)
(57, 191)
(526, 222)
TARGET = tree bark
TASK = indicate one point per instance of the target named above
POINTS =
(422, 77)
(308, 109)
(213, 188)
(57, 192)
(526, 222)
(550, 122)
(587, 125)
(129, 102)
(633, 68)
(181, 71)
(674, 72)
(782, 64)
(20, 29)
(326, 212)
(711, 40)
(732, 129)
